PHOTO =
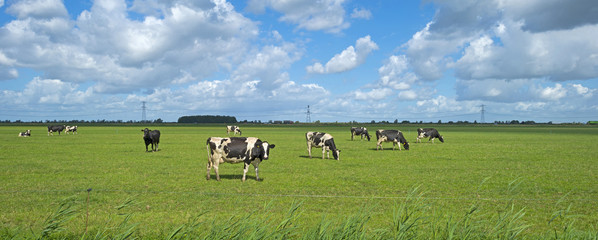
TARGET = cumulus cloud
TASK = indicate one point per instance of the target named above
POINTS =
(38, 9)
(395, 73)
(123, 55)
(312, 15)
(498, 35)
(361, 13)
(348, 59)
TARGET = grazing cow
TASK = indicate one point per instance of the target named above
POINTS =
(233, 129)
(53, 129)
(25, 133)
(428, 132)
(249, 150)
(359, 131)
(324, 141)
(72, 129)
(151, 137)
(394, 136)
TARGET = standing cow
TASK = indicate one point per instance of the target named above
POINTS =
(361, 131)
(428, 132)
(233, 129)
(151, 137)
(324, 141)
(249, 150)
(72, 129)
(394, 136)
(25, 133)
(53, 129)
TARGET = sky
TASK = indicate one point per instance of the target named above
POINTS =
(534, 60)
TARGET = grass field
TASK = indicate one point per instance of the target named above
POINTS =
(544, 178)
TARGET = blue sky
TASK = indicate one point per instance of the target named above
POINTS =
(267, 60)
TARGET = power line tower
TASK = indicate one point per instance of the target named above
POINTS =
(143, 111)
(308, 115)
(482, 120)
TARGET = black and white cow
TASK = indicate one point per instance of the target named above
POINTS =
(72, 129)
(233, 129)
(324, 141)
(151, 137)
(394, 136)
(53, 129)
(25, 133)
(428, 132)
(361, 131)
(249, 150)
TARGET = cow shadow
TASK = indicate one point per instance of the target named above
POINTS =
(234, 177)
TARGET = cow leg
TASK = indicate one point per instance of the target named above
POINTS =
(324, 152)
(379, 144)
(309, 149)
(216, 163)
(245, 169)
(156, 147)
(208, 169)
(257, 177)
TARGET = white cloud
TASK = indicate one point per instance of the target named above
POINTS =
(348, 59)
(38, 9)
(394, 73)
(313, 15)
(374, 94)
(552, 93)
(479, 40)
(361, 13)
(439, 104)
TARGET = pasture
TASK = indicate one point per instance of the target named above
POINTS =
(544, 178)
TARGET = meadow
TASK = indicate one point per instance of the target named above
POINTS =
(534, 181)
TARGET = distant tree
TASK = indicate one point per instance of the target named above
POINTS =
(396, 121)
(439, 121)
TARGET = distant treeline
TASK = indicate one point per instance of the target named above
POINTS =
(207, 119)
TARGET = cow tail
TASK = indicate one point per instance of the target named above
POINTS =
(208, 148)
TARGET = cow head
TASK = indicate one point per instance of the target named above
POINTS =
(441, 139)
(263, 149)
(406, 145)
(367, 134)
(239, 130)
(336, 154)
(145, 132)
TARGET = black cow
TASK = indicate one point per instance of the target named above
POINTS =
(57, 128)
(25, 133)
(151, 137)
(394, 136)
(360, 131)
(249, 150)
(428, 132)
(324, 141)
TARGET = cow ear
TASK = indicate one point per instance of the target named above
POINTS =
(271, 146)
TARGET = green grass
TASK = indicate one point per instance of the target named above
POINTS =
(532, 174)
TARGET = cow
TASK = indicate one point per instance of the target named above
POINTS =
(324, 141)
(72, 129)
(233, 129)
(151, 137)
(249, 150)
(53, 129)
(428, 132)
(394, 136)
(25, 133)
(359, 131)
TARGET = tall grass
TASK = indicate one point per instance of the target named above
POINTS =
(413, 218)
